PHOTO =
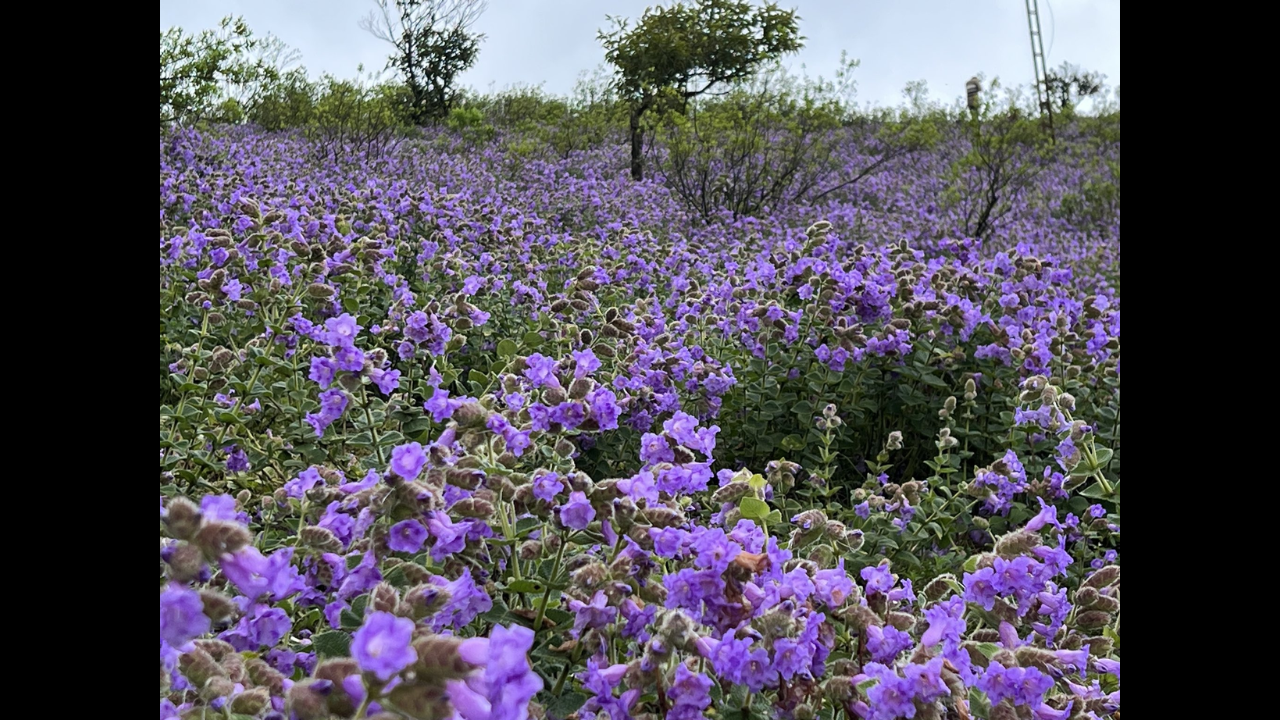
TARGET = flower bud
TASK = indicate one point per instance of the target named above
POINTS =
(250, 702)
(217, 607)
(320, 539)
(199, 667)
(218, 538)
(183, 518)
(263, 675)
(384, 598)
(1103, 577)
(1018, 542)
(186, 562)
(1092, 619)
(308, 699)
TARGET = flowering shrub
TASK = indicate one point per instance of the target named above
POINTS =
(546, 446)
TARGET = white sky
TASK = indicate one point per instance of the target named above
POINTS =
(550, 42)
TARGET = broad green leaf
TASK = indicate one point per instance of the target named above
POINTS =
(753, 508)
(333, 643)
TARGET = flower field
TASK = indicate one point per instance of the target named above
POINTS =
(462, 430)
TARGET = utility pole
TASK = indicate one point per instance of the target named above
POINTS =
(1037, 58)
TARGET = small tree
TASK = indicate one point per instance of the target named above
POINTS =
(1068, 85)
(194, 69)
(433, 45)
(678, 53)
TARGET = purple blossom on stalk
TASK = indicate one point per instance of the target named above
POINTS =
(407, 536)
(508, 683)
(654, 449)
(946, 623)
(585, 363)
(547, 486)
(264, 627)
(878, 578)
(371, 479)
(690, 694)
(222, 507)
(307, 479)
(182, 617)
(833, 586)
(341, 330)
(577, 513)
(886, 643)
(256, 575)
(407, 460)
(440, 406)
(540, 371)
(979, 588)
(237, 460)
(382, 645)
(387, 381)
(450, 537)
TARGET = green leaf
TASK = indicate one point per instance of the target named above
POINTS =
(792, 443)
(979, 705)
(757, 482)
(565, 704)
(971, 565)
(525, 586)
(773, 518)
(1104, 456)
(333, 643)
(532, 340)
(988, 649)
(507, 348)
(753, 508)
(350, 621)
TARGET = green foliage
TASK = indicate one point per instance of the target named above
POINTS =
(773, 140)
(1007, 152)
(470, 123)
(352, 118)
(195, 69)
(432, 44)
(287, 102)
(679, 52)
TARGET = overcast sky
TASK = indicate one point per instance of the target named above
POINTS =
(551, 42)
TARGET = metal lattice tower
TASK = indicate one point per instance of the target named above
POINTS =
(1037, 57)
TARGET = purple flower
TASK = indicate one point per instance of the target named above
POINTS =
(886, 643)
(1048, 515)
(541, 371)
(577, 513)
(407, 460)
(342, 330)
(407, 536)
(979, 588)
(306, 480)
(450, 537)
(592, 615)
(508, 683)
(256, 575)
(182, 616)
(690, 694)
(388, 381)
(221, 507)
(547, 486)
(440, 406)
(878, 579)
(381, 646)
(946, 623)
(833, 586)
(654, 449)
(586, 363)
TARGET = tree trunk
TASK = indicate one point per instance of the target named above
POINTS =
(637, 145)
